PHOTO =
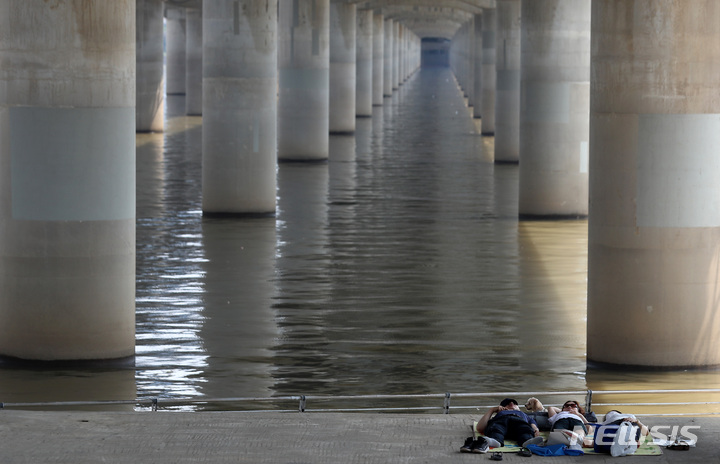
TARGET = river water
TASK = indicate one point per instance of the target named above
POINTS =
(397, 267)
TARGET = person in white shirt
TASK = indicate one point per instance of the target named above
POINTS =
(570, 421)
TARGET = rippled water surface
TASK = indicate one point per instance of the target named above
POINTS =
(398, 267)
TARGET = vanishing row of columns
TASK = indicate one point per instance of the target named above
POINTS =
(547, 55)
(67, 159)
(274, 88)
(629, 118)
(77, 80)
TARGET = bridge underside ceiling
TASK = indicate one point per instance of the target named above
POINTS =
(425, 18)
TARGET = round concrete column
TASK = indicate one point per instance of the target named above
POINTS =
(470, 61)
(150, 97)
(489, 73)
(654, 227)
(342, 67)
(555, 108)
(401, 54)
(239, 107)
(378, 59)
(67, 185)
(396, 56)
(364, 64)
(304, 74)
(507, 104)
(478, 66)
(175, 54)
(388, 58)
(193, 66)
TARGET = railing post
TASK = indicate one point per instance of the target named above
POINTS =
(446, 406)
(154, 404)
(302, 403)
(588, 400)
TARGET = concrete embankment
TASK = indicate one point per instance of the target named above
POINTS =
(220, 437)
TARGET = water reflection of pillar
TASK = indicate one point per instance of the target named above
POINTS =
(342, 170)
(149, 184)
(303, 292)
(553, 270)
(363, 139)
(239, 325)
(614, 379)
(378, 125)
(34, 385)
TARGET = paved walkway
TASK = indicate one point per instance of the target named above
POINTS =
(297, 438)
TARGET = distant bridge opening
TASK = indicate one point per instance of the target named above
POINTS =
(435, 52)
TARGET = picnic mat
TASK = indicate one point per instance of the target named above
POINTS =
(648, 448)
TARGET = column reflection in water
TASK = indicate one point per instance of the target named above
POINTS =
(149, 174)
(18, 385)
(378, 123)
(303, 280)
(627, 380)
(341, 170)
(240, 326)
(553, 276)
(169, 352)
(363, 138)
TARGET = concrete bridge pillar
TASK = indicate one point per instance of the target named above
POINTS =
(472, 43)
(239, 107)
(304, 73)
(364, 64)
(388, 58)
(489, 73)
(67, 180)
(477, 65)
(401, 54)
(378, 59)
(194, 60)
(175, 51)
(150, 106)
(507, 104)
(654, 230)
(555, 108)
(396, 56)
(343, 25)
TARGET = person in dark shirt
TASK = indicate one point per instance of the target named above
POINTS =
(501, 422)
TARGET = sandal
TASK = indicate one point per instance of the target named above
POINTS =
(679, 445)
(525, 452)
(496, 456)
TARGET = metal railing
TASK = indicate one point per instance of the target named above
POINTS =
(441, 405)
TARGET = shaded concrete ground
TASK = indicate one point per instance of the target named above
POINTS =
(220, 437)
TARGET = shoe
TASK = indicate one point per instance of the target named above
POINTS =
(524, 452)
(480, 446)
(496, 456)
(467, 447)
(679, 445)
(534, 441)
